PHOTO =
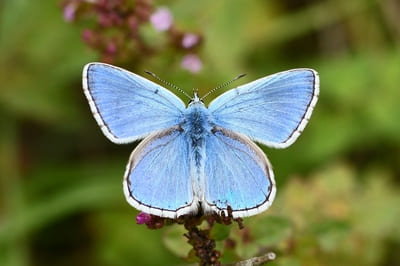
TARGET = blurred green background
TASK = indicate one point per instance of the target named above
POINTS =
(338, 200)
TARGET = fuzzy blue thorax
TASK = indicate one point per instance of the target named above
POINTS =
(197, 127)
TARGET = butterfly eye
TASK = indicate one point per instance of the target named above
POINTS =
(198, 100)
(195, 98)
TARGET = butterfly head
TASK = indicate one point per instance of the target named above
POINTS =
(195, 99)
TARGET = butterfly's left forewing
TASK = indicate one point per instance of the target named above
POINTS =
(126, 106)
(237, 175)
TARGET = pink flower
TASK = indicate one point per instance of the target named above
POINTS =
(133, 23)
(143, 218)
(161, 19)
(189, 40)
(88, 35)
(69, 11)
(111, 48)
(105, 20)
(192, 63)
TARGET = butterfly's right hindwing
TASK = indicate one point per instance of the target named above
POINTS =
(126, 106)
(238, 175)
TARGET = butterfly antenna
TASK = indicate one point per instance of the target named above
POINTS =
(222, 85)
(167, 83)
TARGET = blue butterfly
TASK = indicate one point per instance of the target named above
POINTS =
(197, 159)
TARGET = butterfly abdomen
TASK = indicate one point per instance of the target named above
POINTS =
(197, 128)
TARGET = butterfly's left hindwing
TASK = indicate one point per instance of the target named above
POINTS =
(126, 106)
(157, 179)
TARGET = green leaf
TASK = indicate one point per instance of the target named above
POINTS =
(270, 230)
(330, 233)
(220, 231)
(175, 242)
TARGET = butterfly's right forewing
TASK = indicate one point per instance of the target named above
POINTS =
(273, 110)
(126, 106)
